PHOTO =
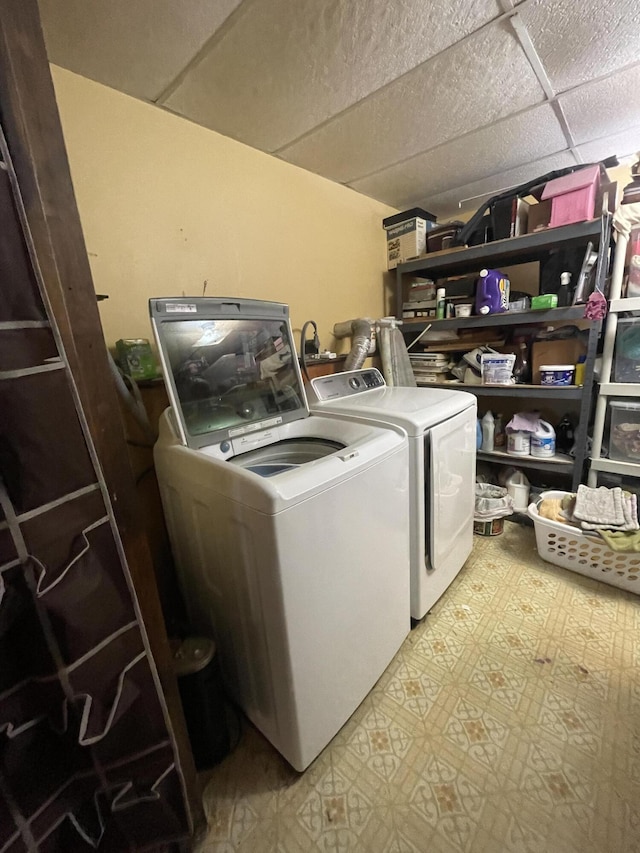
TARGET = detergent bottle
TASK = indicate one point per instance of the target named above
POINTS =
(492, 292)
(543, 441)
(488, 430)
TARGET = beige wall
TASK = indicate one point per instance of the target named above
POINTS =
(167, 205)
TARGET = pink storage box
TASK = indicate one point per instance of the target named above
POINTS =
(573, 197)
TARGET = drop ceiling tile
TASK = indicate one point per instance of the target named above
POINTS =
(284, 68)
(620, 145)
(579, 41)
(511, 142)
(474, 83)
(446, 205)
(137, 47)
(604, 108)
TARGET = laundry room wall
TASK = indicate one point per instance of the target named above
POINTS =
(167, 205)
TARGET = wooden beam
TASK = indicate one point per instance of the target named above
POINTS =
(31, 123)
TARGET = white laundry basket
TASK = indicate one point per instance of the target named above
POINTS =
(566, 546)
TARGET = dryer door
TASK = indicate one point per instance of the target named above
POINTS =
(452, 494)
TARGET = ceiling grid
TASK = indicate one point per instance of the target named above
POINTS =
(405, 102)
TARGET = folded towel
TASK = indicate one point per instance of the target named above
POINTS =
(606, 508)
(601, 506)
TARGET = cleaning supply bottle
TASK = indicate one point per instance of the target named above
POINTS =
(563, 292)
(478, 434)
(488, 431)
(440, 303)
(565, 435)
(543, 440)
(492, 292)
(499, 435)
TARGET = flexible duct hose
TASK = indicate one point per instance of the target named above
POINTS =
(360, 330)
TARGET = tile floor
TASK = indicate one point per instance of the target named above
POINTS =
(508, 721)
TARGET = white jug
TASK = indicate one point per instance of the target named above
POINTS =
(518, 487)
(543, 441)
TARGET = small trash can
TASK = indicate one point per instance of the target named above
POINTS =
(493, 503)
(203, 700)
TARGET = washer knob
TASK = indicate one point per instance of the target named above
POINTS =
(354, 382)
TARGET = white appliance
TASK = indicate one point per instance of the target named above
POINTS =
(270, 512)
(441, 426)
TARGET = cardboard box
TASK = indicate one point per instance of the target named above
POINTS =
(539, 216)
(406, 240)
(406, 235)
(565, 351)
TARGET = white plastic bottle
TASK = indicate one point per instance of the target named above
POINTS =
(543, 441)
(488, 432)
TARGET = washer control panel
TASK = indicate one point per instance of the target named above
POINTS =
(338, 385)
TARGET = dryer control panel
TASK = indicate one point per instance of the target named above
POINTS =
(338, 385)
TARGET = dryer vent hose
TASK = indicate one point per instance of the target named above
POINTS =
(360, 330)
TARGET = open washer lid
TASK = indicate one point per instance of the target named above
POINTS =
(230, 366)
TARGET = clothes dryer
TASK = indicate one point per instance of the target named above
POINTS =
(441, 426)
(270, 512)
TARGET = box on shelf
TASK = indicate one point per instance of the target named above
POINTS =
(430, 367)
(407, 235)
(573, 196)
(442, 236)
(413, 309)
(566, 351)
(510, 216)
(624, 432)
(421, 290)
(626, 366)
(544, 300)
(539, 216)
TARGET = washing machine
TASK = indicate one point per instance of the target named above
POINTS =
(270, 512)
(441, 426)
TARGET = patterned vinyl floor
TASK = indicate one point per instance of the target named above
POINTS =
(509, 722)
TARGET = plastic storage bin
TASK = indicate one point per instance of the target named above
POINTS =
(624, 433)
(626, 366)
(566, 546)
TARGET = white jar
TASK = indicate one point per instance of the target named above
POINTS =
(519, 443)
